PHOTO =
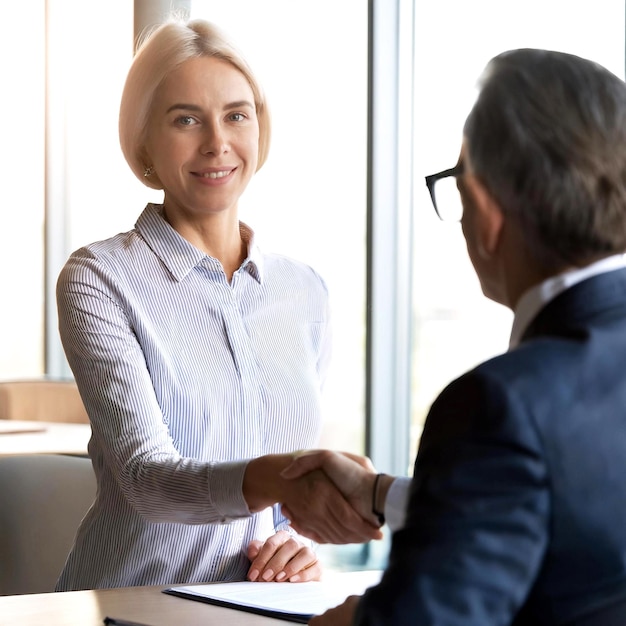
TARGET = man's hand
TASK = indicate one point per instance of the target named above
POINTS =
(317, 509)
(282, 558)
(342, 615)
(354, 476)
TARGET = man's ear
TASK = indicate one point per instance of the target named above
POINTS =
(489, 218)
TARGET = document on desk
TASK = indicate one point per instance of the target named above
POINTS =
(293, 602)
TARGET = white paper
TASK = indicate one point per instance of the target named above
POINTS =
(309, 598)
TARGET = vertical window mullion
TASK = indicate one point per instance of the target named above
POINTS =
(389, 234)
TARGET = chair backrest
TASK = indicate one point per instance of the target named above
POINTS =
(43, 498)
(42, 400)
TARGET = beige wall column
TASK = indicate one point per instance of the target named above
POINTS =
(151, 12)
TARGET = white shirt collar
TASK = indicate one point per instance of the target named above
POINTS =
(538, 296)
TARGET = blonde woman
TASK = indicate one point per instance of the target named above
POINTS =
(200, 359)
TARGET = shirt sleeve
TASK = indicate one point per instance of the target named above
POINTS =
(126, 419)
(282, 523)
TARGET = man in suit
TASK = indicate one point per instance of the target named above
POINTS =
(517, 507)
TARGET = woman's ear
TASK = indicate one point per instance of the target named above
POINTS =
(489, 218)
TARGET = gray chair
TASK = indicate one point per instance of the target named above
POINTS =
(42, 501)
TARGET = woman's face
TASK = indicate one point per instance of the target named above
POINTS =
(203, 137)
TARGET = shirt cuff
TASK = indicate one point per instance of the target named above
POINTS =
(226, 490)
(396, 502)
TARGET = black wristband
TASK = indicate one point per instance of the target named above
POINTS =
(380, 515)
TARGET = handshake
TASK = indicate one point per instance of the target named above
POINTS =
(330, 497)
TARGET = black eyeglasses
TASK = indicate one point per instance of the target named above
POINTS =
(446, 199)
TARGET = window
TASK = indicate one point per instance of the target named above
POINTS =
(454, 325)
(22, 181)
(91, 193)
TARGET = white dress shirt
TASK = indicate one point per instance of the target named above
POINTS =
(186, 377)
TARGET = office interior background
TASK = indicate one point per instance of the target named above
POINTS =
(367, 98)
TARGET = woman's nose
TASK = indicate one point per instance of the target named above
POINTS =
(214, 140)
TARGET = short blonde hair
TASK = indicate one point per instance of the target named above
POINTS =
(162, 51)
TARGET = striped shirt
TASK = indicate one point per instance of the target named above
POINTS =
(185, 376)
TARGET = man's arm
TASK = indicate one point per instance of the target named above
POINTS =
(478, 515)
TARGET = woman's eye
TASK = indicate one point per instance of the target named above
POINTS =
(237, 117)
(186, 120)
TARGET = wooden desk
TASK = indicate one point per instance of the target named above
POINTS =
(146, 605)
(18, 437)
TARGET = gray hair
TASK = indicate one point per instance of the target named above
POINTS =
(547, 137)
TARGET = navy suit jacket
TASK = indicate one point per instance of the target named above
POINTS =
(517, 512)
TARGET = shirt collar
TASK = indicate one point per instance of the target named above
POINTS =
(180, 256)
(533, 300)
(254, 261)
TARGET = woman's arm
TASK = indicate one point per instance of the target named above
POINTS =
(130, 432)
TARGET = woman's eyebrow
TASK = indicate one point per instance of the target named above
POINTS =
(194, 107)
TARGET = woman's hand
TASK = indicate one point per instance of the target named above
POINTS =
(282, 558)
